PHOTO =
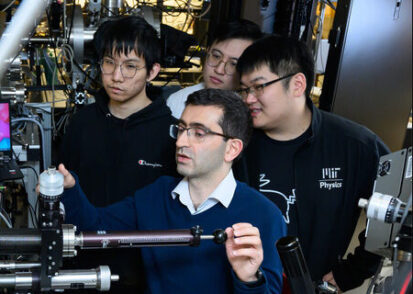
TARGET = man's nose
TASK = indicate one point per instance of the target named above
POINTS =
(220, 68)
(182, 140)
(251, 98)
(117, 74)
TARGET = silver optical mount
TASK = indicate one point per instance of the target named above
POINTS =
(384, 208)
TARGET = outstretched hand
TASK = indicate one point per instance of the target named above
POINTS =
(244, 250)
(69, 180)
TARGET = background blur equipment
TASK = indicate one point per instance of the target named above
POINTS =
(389, 227)
(9, 169)
(364, 77)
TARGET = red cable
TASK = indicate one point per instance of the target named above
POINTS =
(406, 283)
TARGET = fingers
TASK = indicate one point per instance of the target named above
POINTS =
(244, 250)
(69, 180)
(244, 240)
(245, 229)
(330, 279)
(63, 170)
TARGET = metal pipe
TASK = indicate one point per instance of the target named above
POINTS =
(99, 278)
(20, 241)
(22, 23)
(121, 239)
(12, 265)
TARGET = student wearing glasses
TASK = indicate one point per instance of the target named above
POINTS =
(219, 70)
(212, 132)
(314, 165)
(124, 135)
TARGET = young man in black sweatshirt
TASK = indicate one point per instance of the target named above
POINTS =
(124, 135)
(314, 165)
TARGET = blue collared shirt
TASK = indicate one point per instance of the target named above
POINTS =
(223, 193)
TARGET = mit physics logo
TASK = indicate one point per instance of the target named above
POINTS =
(330, 178)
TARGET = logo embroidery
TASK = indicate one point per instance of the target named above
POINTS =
(330, 178)
(290, 200)
(144, 163)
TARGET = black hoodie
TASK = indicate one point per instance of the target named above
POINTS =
(113, 158)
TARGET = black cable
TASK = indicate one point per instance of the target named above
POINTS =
(97, 83)
(32, 168)
(107, 8)
(329, 3)
(192, 55)
(71, 20)
(31, 209)
(55, 56)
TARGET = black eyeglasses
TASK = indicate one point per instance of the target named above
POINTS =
(196, 133)
(258, 90)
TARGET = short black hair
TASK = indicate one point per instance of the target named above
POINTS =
(126, 34)
(283, 56)
(239, 29)
(236, 120)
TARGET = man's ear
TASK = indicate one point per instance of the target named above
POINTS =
(233, 149)
(153, 72)
(298, 84)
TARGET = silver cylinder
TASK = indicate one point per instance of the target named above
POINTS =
(11, 265)
(23, 21)
(112, 7)
(18, 281)
(69, 240)
(99, 278)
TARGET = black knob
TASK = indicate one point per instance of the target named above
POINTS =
(220, 236)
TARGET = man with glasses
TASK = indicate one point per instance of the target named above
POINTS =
(219, 70)
(212, 132)
(314, 165)
(124, 135)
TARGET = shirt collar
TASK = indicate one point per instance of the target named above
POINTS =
(223, 193)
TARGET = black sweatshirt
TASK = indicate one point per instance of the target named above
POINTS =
(113, 158)
(331, 170)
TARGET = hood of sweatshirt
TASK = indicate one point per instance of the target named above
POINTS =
(157, 109)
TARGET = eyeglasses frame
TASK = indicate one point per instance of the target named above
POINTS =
(120, 67)
(208, 132)
(262, 86)
(221, 61)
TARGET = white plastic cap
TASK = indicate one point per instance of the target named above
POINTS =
(51, 182)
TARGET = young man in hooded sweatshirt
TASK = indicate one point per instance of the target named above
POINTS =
(124, 135)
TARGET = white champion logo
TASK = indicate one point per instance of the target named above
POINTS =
(290, 200)
(330, 178)
(143, 162)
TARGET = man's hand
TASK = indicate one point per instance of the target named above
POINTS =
(244, 250)
(69, 180)
(330, 279)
